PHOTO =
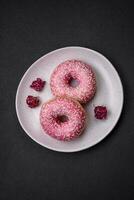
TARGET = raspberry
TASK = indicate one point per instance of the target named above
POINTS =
(100, 112)
(32, 101)
(38, 84)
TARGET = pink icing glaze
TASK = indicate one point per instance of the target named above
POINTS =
(62, 106)
(78, 70)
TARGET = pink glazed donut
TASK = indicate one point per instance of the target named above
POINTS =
(62, 118)
(69, 71)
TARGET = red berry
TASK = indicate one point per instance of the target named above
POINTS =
(38, 84)
(32, 101)
(100, 112)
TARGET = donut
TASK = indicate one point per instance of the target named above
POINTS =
(73, 71)
(62, 118)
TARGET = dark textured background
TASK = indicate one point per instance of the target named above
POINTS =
(30, 30)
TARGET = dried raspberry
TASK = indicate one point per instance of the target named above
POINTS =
(32, 101)
(38, 84)
(100, 112)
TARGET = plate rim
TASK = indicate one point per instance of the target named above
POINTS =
(51, 52)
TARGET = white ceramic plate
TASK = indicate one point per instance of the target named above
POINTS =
(109, 93)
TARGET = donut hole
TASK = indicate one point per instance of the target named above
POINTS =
(62, 118)
(73, 82)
